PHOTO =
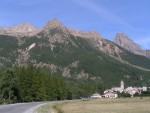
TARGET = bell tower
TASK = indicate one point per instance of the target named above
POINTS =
(122, 85)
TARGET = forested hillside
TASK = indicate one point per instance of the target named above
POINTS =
(32, 84)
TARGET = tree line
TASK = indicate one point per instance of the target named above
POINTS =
(29, 84)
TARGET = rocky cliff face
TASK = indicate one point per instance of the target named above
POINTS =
(20, 30)
(98, 42)
(147, 53)
(83, 34)
(124, 41)
(55, 27)
(55, 31)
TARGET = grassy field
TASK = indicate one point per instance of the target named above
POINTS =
(119, 105)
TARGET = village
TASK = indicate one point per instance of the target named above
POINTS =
(113, 92)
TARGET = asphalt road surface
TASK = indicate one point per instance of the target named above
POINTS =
(20, 107)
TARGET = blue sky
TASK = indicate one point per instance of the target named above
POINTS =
(107, 17)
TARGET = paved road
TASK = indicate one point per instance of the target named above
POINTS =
(20, 108)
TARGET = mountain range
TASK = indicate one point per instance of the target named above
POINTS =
(75, 54)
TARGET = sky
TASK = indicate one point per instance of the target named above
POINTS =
(107, 17)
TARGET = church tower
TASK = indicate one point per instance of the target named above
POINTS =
(122, 85)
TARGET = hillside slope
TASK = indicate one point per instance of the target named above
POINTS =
(75, 55)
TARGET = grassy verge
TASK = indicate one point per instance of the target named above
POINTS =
(52, 107)
(48, 108)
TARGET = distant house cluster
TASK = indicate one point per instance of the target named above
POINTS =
(113, 92)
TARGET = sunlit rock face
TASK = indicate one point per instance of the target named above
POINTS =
(21, 30)
(147, 53)
(124, 41)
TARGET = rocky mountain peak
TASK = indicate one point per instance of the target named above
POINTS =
(55, 23)
(24, 29)
(55, 27)
(124, 41)
(55, 31)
